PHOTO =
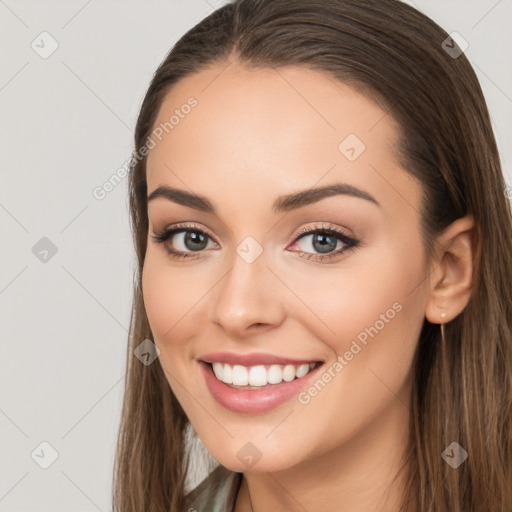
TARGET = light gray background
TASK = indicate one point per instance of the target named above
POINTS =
(66, 126)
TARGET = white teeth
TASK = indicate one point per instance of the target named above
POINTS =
(240, 375)
(302, 370)
(289, 373)
(259, 375)
(227, 375)
(218, 370)
(275, 374)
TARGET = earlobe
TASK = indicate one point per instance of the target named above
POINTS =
(451, 272)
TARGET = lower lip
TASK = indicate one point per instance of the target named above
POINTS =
(250, 401)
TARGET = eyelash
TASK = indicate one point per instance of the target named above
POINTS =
(350, 243)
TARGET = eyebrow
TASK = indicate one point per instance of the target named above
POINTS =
(284, 203)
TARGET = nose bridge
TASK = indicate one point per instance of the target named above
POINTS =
(245, 296)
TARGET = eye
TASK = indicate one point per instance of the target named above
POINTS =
(182, 241)
(330, 242)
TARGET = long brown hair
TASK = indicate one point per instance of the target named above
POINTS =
(462, 389)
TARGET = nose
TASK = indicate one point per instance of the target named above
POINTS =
(247, 298)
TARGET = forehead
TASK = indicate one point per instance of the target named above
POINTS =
(270, 131)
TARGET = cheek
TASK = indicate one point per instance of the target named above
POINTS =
(376, 313)
(175, 304)
(158, 298)
(384, 316)
(370, 309)
(168, 305)
(167, 300)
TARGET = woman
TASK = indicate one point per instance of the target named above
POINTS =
(323, 243)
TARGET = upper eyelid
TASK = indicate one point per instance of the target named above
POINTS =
(331, 229)
(176, 228)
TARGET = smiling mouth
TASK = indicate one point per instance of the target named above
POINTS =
(259, 376)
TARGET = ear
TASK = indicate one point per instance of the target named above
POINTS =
(451, 272)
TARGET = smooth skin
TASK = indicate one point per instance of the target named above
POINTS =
(256, 135)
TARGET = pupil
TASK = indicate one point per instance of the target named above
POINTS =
(193, 237)
(324, 247)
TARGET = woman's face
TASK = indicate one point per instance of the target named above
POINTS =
(251, 279)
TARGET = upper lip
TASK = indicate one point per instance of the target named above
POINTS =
(252, 359)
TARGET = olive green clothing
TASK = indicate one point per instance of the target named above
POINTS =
(216, 493)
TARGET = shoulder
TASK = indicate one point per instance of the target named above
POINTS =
(216, 493)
